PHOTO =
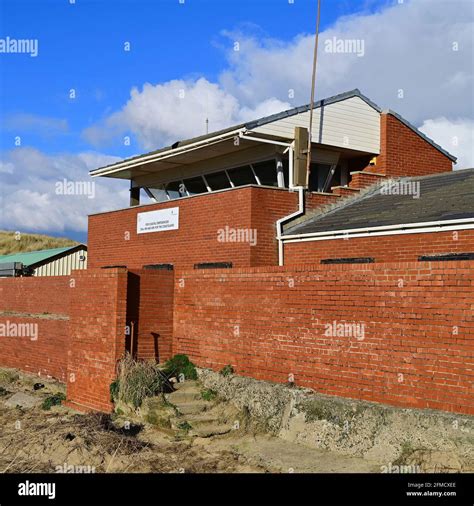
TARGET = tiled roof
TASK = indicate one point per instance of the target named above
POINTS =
(447, 196)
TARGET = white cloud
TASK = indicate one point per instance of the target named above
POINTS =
(42, 125)
(162, 114)
(28, 198)
(423, 48)
(456, 136)
(407, 47)
(265, 108)
(6, 168)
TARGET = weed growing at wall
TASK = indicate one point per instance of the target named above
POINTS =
(136, 381)
(53, 400)
(208, 395)
(181, 367)
(227, 370)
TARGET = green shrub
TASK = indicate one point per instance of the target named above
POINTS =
(227, 370)
(53, 400)
(136, 381)
(185, 426)
(208, 395)
(114, 390)
(180, 365)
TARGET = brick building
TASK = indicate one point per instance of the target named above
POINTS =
(227, 197)
(381, 236)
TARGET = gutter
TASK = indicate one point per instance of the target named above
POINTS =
(405, 228)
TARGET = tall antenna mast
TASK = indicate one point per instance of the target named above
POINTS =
(207, 112)
(313, 81)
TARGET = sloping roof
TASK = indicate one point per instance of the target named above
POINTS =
(35, 257)
(446, 196)
(275, 117)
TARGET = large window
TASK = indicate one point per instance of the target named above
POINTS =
(266, 172)
(318, 177)
(241, 176)
(195, 185)
(158, 193)
(176, 189)
(218, 181)
(286, 172)
(262, 173)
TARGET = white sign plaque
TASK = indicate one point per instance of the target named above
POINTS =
(158, 221)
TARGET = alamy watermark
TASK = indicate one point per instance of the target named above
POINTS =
(11, 329)
(346, 329)
(400, 187)
(336, 45)
(10, 45)
(229, 234)
(74, 469)
(66, 187)
(400, 469)
(35, 489)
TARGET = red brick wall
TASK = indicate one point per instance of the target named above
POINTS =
(405, 153)
(30, 299)
(52, 294)
(200, 218)
(154, 297)
(196, 241)
(385, 248)
(81, 338)
(268, 206)
(269, 323)
(97, 340)
(361, 180)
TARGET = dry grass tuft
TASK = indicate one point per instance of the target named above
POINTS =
(137, 380)
(30, 242)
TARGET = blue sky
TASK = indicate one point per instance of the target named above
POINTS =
(422, 47)
(81, 47)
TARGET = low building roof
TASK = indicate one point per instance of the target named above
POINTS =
(442, 197)
(30, 258)
(112, 169)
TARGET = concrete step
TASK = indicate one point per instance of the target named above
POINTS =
(182, 396)
(192, 408)
(202, 419)
(209, 430)
(185, 385)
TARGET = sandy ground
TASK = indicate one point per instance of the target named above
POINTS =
(62, 440)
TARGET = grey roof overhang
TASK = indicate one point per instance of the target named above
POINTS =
(109, 169)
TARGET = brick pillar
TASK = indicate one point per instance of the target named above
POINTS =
(97, 340)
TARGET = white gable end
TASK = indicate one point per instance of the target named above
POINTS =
(349, 123)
